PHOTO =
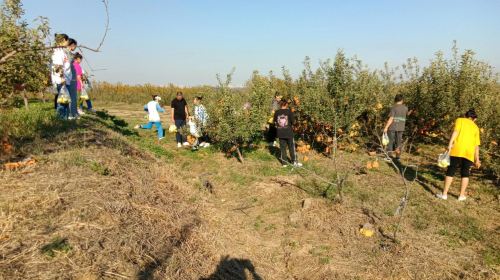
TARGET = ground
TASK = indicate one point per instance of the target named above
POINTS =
(106, 201)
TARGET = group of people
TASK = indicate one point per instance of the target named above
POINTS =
(69, 79)
(181, 119)
(463, 147)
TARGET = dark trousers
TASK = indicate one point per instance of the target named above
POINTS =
(178, 136)
(290, 143)
(395, 140)
(464, 164)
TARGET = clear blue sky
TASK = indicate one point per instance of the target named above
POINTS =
(189, 42)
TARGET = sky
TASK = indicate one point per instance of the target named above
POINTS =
(188, 42)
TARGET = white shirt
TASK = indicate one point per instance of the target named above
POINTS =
(154, 115)
(60, 57)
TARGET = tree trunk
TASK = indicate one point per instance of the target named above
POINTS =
(25, 98)
(43, 97)
(240, 156)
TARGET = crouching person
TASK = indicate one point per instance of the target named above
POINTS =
(154, 109)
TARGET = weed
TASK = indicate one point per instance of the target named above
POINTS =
(99, 168)
(58, 244)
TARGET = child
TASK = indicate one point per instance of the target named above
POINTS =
(283, 119)
(395, 126)
(154, 109)
(464, 152)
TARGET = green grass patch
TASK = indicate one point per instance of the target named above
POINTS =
(57, 245)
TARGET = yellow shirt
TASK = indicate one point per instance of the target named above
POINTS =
(467, 139)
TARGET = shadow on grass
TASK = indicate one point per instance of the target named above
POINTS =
(420, 174)
(114, 123)
(233, 269)
(148, 271)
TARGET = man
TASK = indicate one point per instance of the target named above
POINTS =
(180, 114)
(284, 118)
(395, 126)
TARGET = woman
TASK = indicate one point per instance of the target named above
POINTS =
(59, 58)
(201, 118)
(464, 152)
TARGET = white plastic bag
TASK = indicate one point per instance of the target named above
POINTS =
(444, 160)
(193, 129)
(385, 139)
(84, 95)
(63, 97)
(172, 128)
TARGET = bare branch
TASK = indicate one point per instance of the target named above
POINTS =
(98, 49)
(7, 56)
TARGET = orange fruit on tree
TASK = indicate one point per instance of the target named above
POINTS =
(369, 165)
(375, 164)
(306, 158)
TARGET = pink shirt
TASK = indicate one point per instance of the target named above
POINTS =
(79, 72)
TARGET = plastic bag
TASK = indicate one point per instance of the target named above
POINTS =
(63, 97)
(385, 139)
(172, 128)
(444, 160)
(193, 129)
(84, 95)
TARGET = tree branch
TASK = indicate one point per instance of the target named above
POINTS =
(98, 49)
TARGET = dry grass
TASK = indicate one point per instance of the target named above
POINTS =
(108, 209)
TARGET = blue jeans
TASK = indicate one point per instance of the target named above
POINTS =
(178, 136)
(149, 125)
(74, 99)
(63, 111)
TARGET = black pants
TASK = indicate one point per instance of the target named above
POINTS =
(290, 143)
(465, 166)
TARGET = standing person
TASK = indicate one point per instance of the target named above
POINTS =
(154, 109)
(201, 118)
(275, 106)
(77, 59)
(463, 149)
(395, 126)
(71, 81)
(180, 114)
(284, 118)
(58, 59)
(86, 87)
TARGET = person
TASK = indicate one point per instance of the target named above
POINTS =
(154, 109)
(71, 83)
(283, 119)
(463, 149)
(86, 87)
(80, 84)
(201, 118)
(180, 114)
(275, 106)
(58, 59)
(395, 126)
